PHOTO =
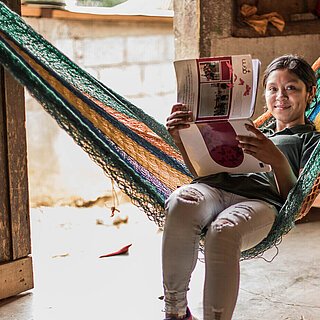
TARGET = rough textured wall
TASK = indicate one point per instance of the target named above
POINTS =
(135, 60)
(186, 29)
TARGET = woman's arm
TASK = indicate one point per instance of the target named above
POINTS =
(179, 119)
(284, 176)
(265, 150)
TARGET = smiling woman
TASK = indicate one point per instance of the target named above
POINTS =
(289, 90)
(286, 98)
(236, 211)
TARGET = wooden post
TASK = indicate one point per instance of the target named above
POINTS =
(15, 244)
(198, 24)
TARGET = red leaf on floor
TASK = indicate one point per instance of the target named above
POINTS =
(121, 251)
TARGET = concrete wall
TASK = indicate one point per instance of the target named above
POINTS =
(134, 59)
(212, 31)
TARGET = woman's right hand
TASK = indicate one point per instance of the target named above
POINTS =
(178, 119)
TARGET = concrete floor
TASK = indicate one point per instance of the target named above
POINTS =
(72, 282)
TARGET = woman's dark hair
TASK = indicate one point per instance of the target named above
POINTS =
(295, 64)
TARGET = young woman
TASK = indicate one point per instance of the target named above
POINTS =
(236, 211)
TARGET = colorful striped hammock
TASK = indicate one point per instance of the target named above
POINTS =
(133, 149)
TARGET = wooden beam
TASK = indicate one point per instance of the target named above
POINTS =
(17, 167)
(30, 11)
(5, 223)
(16, 274)
(13, 116)
(37, 11)
(64, 14)
(15, 277)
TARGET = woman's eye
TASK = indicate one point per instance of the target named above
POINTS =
(291, 88)
(272, 89)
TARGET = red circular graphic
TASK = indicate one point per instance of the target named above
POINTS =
(220, 139)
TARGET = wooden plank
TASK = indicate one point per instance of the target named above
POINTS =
(64, 14)
(5, 228)
(15, 277)
(17, 167)
(30, 11)
(51, 12)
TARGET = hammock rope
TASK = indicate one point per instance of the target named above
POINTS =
(132, 148)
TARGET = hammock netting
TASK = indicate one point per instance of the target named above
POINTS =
(132, 148)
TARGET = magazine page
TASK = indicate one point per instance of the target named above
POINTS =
(218, 88)
(187, 83)
(215, 88)
(245, 85)
(212, 148)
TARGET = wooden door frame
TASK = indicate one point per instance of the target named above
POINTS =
(16, 274)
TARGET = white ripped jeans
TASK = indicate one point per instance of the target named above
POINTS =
(234, 223)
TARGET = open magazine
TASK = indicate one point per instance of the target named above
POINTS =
(221, 93)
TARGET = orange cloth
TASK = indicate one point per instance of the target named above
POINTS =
(260, 22)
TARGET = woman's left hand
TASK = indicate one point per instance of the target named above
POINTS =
(260, 147)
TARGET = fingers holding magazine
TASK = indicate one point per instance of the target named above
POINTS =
(178, 119)
(259, 146)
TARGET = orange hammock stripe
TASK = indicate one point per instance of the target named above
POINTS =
(140, 128)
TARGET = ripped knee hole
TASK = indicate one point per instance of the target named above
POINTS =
(221, 223)
(190, 195)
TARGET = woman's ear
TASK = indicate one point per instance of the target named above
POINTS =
(312, 94)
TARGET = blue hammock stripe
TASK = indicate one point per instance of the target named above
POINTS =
(315, 113)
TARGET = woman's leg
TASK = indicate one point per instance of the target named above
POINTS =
(239, 227)
(189, 209)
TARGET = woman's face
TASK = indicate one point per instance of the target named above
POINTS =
(286, 98)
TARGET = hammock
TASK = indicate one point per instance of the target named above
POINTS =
(132, 148)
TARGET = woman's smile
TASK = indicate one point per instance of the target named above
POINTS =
(282, 107)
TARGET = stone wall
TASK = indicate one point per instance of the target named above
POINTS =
(132, 58)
